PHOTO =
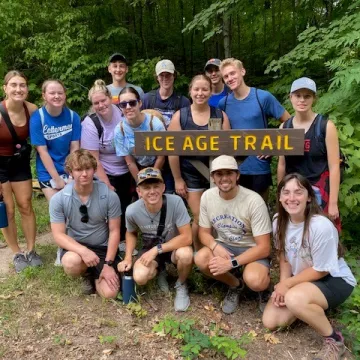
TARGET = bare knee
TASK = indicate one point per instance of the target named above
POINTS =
(256, 281)
(269, 321)
(143, 274)
(25, 207)
(184, 255)
(202, 258)
(294, 300)
(104, 290)
(73, 264)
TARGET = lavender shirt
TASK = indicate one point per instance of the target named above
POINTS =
(112, 164)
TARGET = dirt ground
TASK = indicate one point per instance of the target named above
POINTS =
(85, 327)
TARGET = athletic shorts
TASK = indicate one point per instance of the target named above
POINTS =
(14, 170)
(335, 289)
(100, 251)
(257, 183)
(193, 179)
(162, 259)
(239, 250)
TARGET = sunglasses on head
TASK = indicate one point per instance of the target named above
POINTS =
(149, 174)
(84, 212)
(124, 104)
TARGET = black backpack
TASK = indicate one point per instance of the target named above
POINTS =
(96, 122)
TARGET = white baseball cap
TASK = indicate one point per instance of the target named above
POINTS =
(303, 83)
(164, 66)
(224, 162)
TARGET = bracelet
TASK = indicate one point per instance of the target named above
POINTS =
(215, 246)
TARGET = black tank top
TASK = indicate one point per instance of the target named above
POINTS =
(314, 162)
(187, 123)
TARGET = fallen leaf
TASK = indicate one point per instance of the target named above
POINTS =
(39, 315)
(209, 308)
(253, 333)
(108, 351)
(272, 339)
(224, 326)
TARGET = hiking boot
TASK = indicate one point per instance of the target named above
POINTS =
(88, 285)
(122, 248)
(182, 300)
(20, 262)
(231, 299)
(34, 258)
(162, 281)
(332, 349)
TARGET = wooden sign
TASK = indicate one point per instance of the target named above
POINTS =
(215, 143)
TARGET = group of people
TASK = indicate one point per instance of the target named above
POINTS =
(101, 192)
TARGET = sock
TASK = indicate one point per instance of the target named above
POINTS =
(335, 336)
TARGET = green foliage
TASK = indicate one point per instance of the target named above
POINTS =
(107, 339)
(135, 309)
(196, 341)
(330, 55)
(349, 314)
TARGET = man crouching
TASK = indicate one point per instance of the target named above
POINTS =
(164, 223)
(85, 222)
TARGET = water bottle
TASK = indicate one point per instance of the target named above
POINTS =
(128, 288)
(3, 216)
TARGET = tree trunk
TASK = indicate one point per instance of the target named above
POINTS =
(226, 34)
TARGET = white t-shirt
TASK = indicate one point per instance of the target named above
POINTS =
(237, 221)
(320, 251)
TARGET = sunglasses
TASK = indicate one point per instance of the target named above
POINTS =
(150, 174)
(84, 212)
(124, 104)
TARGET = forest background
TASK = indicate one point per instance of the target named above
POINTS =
(278, 41)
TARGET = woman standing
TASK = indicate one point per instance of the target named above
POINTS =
(190, 183)
(320, 163)
(134, 120)
(97, 136)
(55, 132)
(313, 274)
(15, 171)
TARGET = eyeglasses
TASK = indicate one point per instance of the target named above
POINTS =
(84, 212)
(124, 104)
(149, 174)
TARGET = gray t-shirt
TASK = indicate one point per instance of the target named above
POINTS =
(96, 231)
(137, 219)
(115, 91)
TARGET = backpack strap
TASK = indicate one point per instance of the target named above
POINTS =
(216, 113)
(226, 99)
(42, 116)
(177, 102)
(96, 121)
(320, 126)
(152, 98)
(9, 124)
(262, 109)
(151, 122)
(161, 225)
(288, 124)
(184, 115)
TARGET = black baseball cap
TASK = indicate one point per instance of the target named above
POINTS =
(118, 57)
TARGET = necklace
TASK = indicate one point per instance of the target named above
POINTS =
(151, 218)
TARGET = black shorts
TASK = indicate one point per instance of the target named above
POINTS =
(14, 170)
(192, 177)
(162, 259)
(100, 251)
(257, 183)
(335, 289)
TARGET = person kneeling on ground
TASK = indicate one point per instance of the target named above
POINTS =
(85, 222)
(164, 224)
(314, 276)
(241, 220)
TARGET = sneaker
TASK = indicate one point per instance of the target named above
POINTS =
(88, 285)
(58, 257)
(231, 299)
(122, 248)
(332, 349)
(20, 262)
(162, 281)
(182, 300)
(34, 258)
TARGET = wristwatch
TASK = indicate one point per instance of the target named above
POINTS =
(234, 263)
(159, 249)
(109, 262)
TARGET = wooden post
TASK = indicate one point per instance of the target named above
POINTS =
(214, 124)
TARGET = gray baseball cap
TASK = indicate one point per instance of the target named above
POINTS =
(303, 83)
(214, 62)
(118, 57)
